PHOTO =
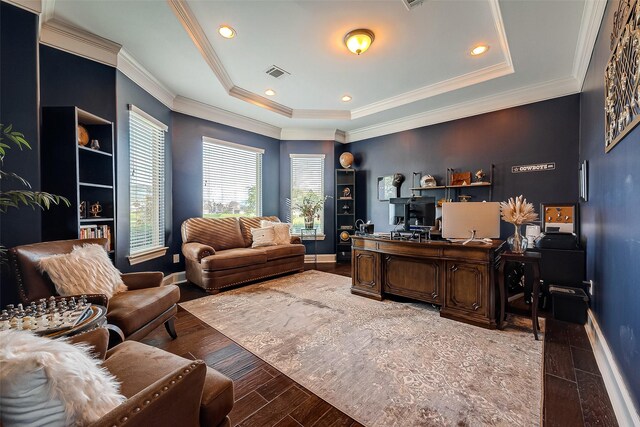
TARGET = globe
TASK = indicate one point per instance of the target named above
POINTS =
(346, 160)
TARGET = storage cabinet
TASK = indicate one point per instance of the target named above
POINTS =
(345, 212)
(83, 175)
(413, 277)
(365, 271)
(466, 289)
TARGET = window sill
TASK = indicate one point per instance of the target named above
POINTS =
(310, 237)
(147, 255)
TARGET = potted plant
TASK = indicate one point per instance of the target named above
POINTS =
(23, 196)
(309, 206)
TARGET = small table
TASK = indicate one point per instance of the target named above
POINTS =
(311, 234)
(532, 258)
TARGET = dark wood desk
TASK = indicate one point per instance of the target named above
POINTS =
(528, 257)
(459, 278)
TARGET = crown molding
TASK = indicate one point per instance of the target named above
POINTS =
(48, 7)
(33, 6)
(207, 112)
(459, 82)
(79, 42)
(131, 68)
(196, 33)
(502, 34)
(260, 101)
(341, 136)
(592, 16)
(301, 134)
(512, 98)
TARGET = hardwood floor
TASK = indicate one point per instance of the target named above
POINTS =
(574, 393)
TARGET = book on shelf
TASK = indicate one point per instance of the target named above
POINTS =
(94, 231)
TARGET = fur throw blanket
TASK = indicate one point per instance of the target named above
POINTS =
(48, 382)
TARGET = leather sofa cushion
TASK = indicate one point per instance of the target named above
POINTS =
(234, 258)
(137, 366)
(247, 223)
(219, 233)
(133, 309)
(283, 251)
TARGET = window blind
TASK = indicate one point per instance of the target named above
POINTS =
(307, 176)
(146, 186)
(231, 179)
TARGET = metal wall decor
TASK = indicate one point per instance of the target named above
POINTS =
(622, 76)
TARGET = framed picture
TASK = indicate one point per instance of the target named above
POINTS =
(386, 190)
(559, 217)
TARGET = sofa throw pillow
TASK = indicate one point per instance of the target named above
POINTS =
(86, 270)
(45, 382)
(281, 229)
(264, 236)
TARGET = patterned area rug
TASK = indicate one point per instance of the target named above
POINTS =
(383, 363)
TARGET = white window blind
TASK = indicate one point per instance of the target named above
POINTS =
(307, 178)
(231, 179)
(146, 185)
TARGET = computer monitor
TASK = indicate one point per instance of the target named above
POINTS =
(465, 220)
(412, 212)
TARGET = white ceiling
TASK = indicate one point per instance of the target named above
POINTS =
(417, 72)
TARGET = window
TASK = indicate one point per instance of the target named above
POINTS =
(307, 179)
(146, 187)
(231, 179)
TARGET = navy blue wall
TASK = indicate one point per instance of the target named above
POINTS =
(326, 246)
(535, 133)
(68, 80)
(130, 93)
(186, 151)
(19, 106)
(609, 220)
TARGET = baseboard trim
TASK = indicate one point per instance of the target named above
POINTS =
(322, 258)
(626, 413)
(174, 278)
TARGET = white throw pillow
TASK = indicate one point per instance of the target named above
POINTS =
(45, 382)
(264, 236)
(281, 229)
(86, 270)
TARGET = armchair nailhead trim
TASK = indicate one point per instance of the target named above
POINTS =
(173, 381)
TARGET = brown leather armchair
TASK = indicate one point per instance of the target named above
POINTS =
(134, 313)
(171, 391)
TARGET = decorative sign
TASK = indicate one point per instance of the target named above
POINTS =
(540, 167)
(622, 76)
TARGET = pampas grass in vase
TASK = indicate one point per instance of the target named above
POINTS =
(517, 212)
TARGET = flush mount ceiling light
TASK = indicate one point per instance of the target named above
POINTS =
(269, 92)
(227, 32)
(358, 41)
(346, 98)
(479, 50)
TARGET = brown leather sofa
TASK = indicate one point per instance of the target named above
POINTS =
(135, 313)
(170, 391)
(218, 253)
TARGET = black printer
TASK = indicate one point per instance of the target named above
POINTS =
(557, 241)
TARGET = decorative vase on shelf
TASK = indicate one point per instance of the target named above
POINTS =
(517, 243)
(309, 221)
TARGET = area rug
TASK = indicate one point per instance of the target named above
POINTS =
(383, 363)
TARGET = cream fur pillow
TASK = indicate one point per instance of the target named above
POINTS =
(45, 382)
(86, 270)
(264, 236)
(281, 229)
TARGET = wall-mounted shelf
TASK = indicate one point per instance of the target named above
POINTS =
(449, 187)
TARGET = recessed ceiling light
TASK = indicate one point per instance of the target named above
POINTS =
(346, 98)
(479, 50)
(269, 92)
(227, 32)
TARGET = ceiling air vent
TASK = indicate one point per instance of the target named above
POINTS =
(410, 4)
(277, 72)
